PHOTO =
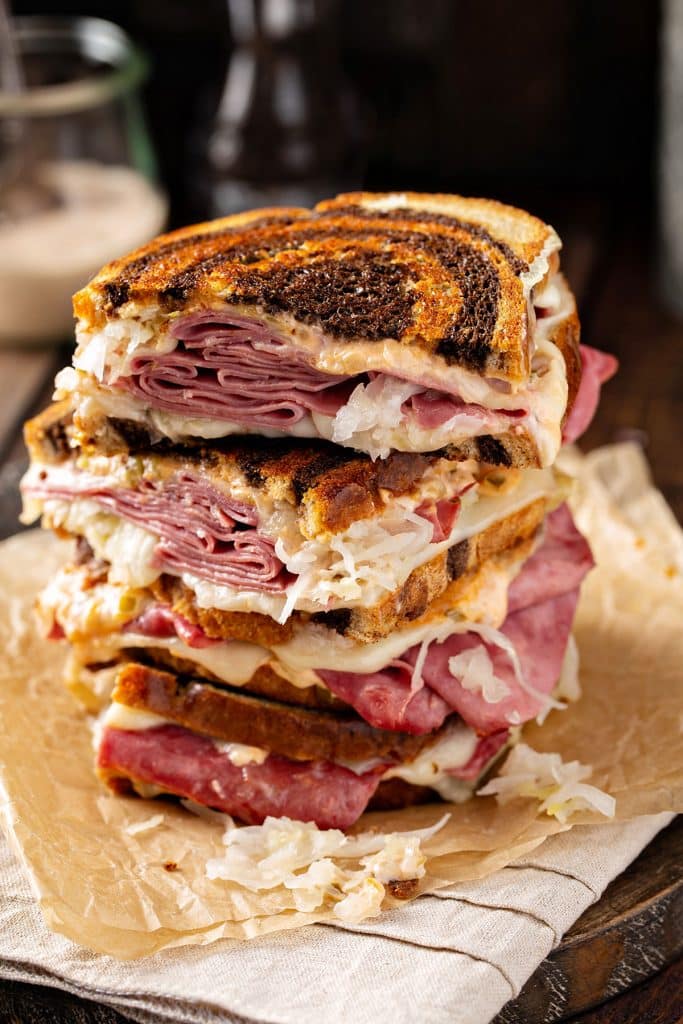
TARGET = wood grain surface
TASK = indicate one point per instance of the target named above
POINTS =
(630, 934)
(605, 970)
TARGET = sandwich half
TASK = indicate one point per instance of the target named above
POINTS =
(255, 719)
(380, 322)
(283, 526)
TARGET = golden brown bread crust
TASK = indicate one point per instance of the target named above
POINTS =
(567, 337)
(251, 627)
(265, 682)
(236, 716)
(525, 234)
(441, 274)
(48, 436)
(366, 625)
(177, 248)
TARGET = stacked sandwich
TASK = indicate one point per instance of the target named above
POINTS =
(323, 561)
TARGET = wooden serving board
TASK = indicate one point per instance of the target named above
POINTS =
(630, 934)
(633, 932)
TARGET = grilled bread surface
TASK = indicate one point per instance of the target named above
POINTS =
(447, 276)
(237, 716)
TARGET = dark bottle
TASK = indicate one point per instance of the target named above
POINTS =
(287, 131)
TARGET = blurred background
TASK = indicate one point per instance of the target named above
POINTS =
(499, 98)
(571, 108)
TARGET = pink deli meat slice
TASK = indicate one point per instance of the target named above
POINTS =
(160, 622)
(596, 369)
(235, 369)
(189, 765)
(539, 635)
(543, 602)
(384, 699)
(231, 368)
(442, 515)
(431, 409)
(201, 530)
(559, 564)
(192, 766)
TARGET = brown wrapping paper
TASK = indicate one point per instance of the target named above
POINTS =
(131, 895)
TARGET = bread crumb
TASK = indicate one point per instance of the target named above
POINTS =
(403, 888)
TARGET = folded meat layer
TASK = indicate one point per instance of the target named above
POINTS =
(436, 703)
(143, 752)
(228, 374)
(177, 761)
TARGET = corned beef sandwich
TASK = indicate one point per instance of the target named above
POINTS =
(390, 322)
(323, 559)
(276, 526)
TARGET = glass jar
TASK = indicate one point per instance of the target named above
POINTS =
(77, 172)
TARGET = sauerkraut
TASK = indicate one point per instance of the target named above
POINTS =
(323, 869)
(474, 670)
(559, 786)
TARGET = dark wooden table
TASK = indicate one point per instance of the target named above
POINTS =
(608, 260)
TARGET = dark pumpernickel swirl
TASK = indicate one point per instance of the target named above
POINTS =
(441, 282)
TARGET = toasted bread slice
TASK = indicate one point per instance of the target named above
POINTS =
(327, 486)
(49, 436)
(351, 322)
(527, 237)
(236, 716)
(445, 276)
(112, 421)
(265, 682)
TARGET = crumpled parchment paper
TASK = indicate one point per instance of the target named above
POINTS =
(113, 892)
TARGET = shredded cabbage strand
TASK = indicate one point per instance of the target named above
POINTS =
(374, 409)
(474, 668)
(495, 636)
(559, 786)
(305, 860)
(371, 553)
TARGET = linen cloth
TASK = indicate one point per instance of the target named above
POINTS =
(454, 957)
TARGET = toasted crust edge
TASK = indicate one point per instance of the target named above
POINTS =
(237, 716)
